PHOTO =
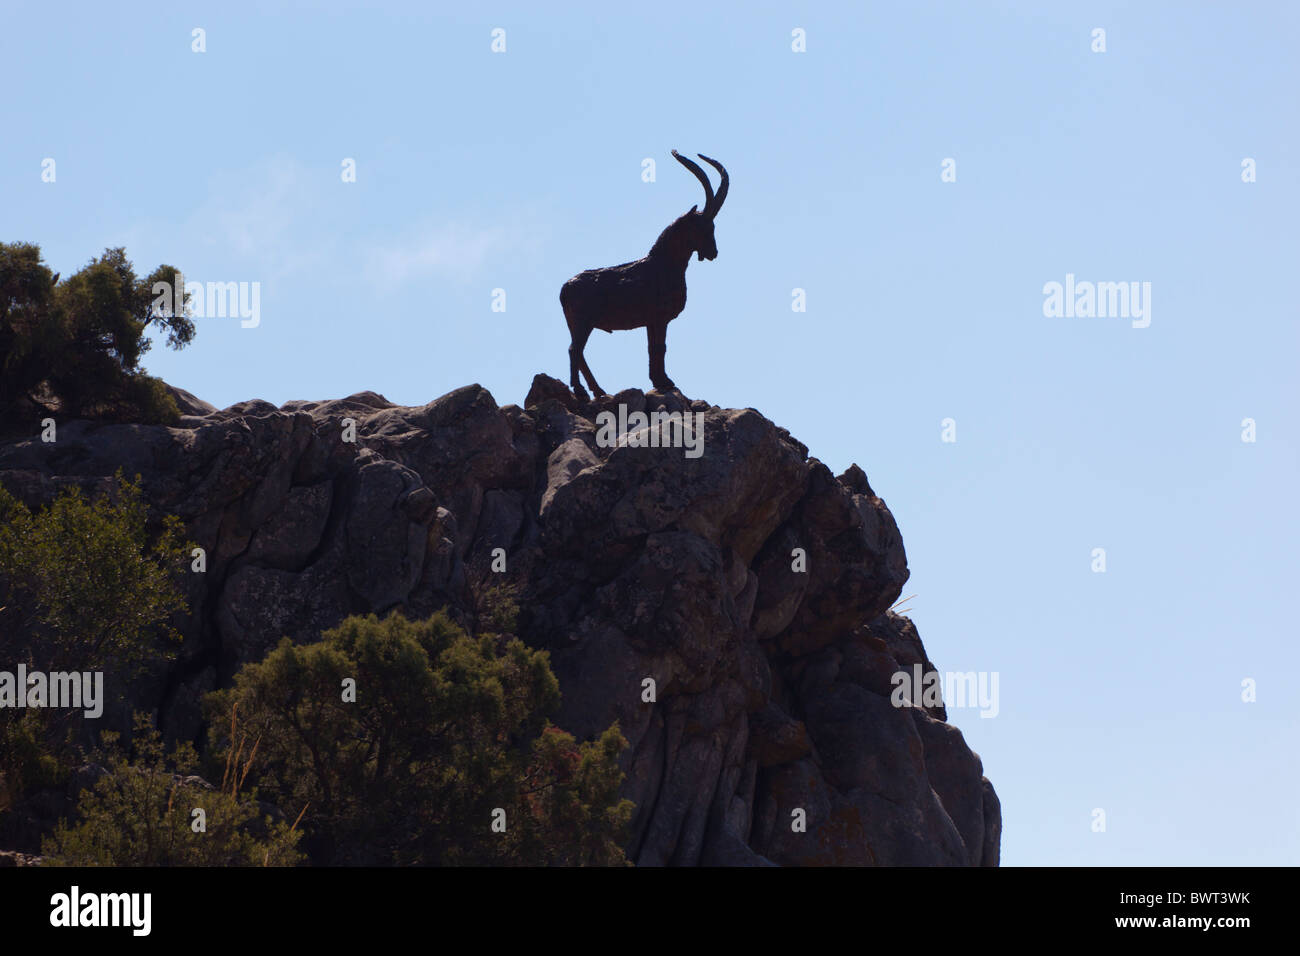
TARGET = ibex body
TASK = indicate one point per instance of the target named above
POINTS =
(648, 293)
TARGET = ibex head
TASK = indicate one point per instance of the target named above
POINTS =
(706, 247)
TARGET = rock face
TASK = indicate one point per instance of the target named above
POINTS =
(747, 582)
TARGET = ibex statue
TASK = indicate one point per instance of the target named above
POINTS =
(648, 293)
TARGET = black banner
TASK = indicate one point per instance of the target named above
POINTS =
(135, 906)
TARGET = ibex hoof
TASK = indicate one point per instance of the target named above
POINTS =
(581, 393)
(663, 384)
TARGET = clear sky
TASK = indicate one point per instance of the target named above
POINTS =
(477, 171)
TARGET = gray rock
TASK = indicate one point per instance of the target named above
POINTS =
(772, 684)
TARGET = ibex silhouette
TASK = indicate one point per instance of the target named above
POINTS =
(648, 293)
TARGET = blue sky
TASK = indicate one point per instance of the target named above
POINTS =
(475, 171)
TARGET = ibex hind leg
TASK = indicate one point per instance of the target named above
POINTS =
(574, 382)
(578, 363)
(591, 379)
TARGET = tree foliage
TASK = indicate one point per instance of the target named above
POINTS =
(141, 813)
(85, 585)
(75, 346)
(446, 729)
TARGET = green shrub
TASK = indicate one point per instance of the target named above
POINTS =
(497, 610)
(84, 586)
(444, 730)
(141, 813)
(74, 347)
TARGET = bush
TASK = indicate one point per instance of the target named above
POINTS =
(84, 586)
(74, 347)
(496, 609)
(410, 764)
(140, 813)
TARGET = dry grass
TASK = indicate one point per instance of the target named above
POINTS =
(898, 607)
(237, 768)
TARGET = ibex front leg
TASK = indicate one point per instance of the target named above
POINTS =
(657, 337)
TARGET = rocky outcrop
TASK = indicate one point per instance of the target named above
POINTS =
(728, 608)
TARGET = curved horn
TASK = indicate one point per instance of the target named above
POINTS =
(700, 175)
(722, 187)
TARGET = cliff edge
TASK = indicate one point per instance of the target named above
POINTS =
(702, 580)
